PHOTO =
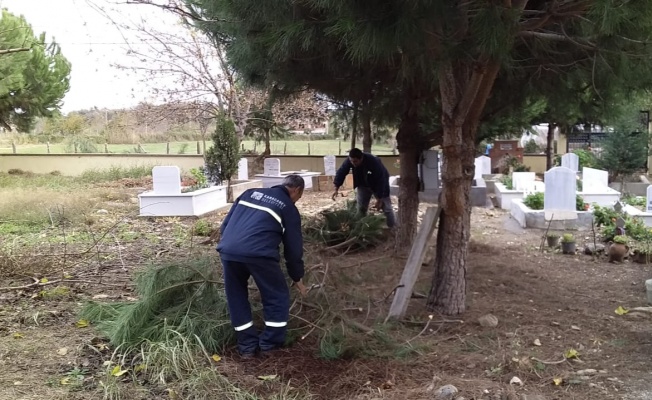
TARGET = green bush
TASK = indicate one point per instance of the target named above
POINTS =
(222, 158)
(507, 181)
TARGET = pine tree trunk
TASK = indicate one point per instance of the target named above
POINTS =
(549, 155)
(448, 291)
(408, 198)
(366, 128)
(465, 88)
(354, 122)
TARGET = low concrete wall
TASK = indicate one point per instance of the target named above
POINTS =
(635, 188)
(535, 219)
(76, 164)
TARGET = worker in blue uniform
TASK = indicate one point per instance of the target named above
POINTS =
(258, 222)
(370, 177)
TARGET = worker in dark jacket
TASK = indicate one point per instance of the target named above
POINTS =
(370, 177)
(258, 222)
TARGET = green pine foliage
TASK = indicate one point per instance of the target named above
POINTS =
(222, 158)
(623, 152)
(33, 82)
(346, 225)
(174, 301)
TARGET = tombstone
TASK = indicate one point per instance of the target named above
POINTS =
(523, 180)
(166, 180)
(482, 167)
(272, 167)
(559, 197)
(329, 166)
(571, 161)
(648, 203)
(243, 170)
(594, 180)
(430, 169)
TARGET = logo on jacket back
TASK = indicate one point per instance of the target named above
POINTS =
(267, 199)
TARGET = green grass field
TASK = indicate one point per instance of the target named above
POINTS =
(279, 147)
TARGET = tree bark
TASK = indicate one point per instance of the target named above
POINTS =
(354, 122)
(408, 198)
(549, 155)
(365, 115)
(464, 88)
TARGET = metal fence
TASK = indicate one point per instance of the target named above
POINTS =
(584, 141)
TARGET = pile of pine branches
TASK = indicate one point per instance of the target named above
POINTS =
(175, 300)
(346, 228)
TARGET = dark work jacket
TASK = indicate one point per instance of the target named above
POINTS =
(258, 222)
(371, 173)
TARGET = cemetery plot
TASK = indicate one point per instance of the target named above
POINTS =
(273, 176)
(166, 198)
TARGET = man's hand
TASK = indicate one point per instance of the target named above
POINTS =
(302, 288)
(337, 191)
(378, 205)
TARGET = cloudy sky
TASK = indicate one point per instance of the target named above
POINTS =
(91, 37)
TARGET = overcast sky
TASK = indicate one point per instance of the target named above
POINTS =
(92, 43)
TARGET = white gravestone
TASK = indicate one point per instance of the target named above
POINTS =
(594, 180)
(571, 161)
(482, 166)
(523, 180)
(243, 169)
(559, 196)
(166, 180)
(272, 167)
(329, 166)
(648, 204)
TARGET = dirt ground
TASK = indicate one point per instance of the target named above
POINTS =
(546, 303)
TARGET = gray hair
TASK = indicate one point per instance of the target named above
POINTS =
(294, 181)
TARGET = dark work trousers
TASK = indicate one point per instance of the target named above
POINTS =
(276, 303)
(363, 197)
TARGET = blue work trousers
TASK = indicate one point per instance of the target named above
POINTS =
(275, 297)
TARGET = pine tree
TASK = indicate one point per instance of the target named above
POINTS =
(437, 60)
(221, 159)
(33, 82)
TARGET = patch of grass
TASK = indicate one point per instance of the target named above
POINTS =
(115, 173)
(202, 228)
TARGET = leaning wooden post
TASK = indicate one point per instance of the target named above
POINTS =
(403, 291)
(48, 146)
(285, 149)
(340, 143)
(198, 148)
(308, 148)
(13, 147)
(167, 148)
(106, 148)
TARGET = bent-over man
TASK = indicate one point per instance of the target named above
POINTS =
(258, 222)
(370, 177)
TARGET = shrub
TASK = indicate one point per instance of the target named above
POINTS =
(222, 158)
(531, 147)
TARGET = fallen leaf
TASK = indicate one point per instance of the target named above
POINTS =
(62, 351)
(18, 335)
(575, 328)
(65, 381)
(139, 368)
(67, 276)
(44, 280)
(557, 381)
(571, 353)
(621, 311)
(118, 371)
(267, 377)
(82, 323)
(537, 342)
(216, 358)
